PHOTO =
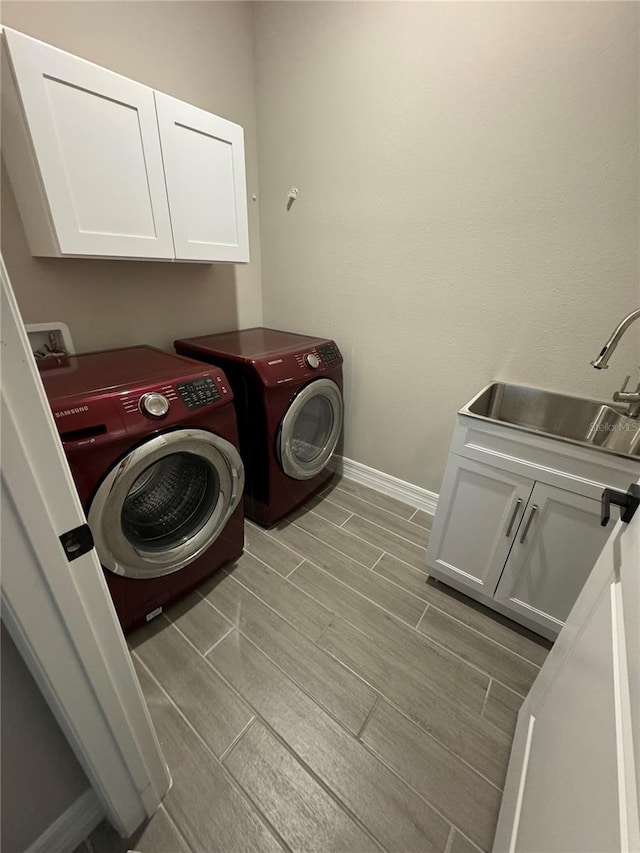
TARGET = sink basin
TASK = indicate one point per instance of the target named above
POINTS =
(585, 422)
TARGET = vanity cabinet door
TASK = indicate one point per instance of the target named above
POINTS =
(205, 173)
(479, 511)
(93, 136)
(557, 545)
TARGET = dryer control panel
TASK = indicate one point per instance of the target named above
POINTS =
(322, 359)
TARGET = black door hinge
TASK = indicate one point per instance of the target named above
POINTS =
(77, 542)
(627, 501)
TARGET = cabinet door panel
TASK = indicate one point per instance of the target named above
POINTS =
(95, 138)
(545, 573)
(479, 510)
(205, 172)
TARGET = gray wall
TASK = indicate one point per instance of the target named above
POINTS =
(196, 51)
(468, 207)
(41, 776)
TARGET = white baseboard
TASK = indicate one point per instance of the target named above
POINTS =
(72, 827)
(388, 485)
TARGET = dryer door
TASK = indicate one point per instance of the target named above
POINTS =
(310, 429)
(163, 505)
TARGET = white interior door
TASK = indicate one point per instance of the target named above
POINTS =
(572, 785)
(95, 139)
(479, 511)
(558, 543)
(57, 607)
(205, 173)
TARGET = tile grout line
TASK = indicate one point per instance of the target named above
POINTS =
(224, 637)
(366, 632)
(373, 688)
(371, 503)
(265, 532)
(295, 567)
(486, 696)
(266, 604)
(449, 844)
(422, 617)
(210, 751)
(306, 768)
(343, 553)
(363, 565)
(373, 567)
(357, 592)
(176, 828)
(422, 635)
(419, 527)
(388, 532)
(424, 530)
(368, 717)
(423, 730)
(316, 642)
(275, 664)
(474, 666)
(299, 758)
(436, 809)
(267, 725)
(486, 637)
(238, 738)
(424, 527)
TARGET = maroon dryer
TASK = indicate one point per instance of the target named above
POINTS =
(152, 442)
(288, 396)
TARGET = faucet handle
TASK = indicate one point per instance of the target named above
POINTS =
(623, 396)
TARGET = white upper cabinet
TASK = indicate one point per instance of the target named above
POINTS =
(205, 173)
(95, 142)
(103, 166)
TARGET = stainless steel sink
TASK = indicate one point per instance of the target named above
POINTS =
(574, 419)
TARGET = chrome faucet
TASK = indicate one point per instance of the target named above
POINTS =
(601, 363)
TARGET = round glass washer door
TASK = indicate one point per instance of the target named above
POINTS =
(165, 503)
(310, 429)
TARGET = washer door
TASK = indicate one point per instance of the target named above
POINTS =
(164, 504)
(310, 429)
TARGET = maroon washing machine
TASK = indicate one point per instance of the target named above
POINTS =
(152, 443)
(288, 396)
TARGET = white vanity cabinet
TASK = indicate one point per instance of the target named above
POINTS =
(103, 166)
(517, 525)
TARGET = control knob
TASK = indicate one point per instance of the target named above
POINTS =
(154, 405)
(312, 360)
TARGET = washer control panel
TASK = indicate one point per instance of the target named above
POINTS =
(198, 392)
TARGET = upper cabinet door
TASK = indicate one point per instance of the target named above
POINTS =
(95, 139)
(205, 173)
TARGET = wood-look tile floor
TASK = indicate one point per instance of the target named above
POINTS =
(321, 694)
